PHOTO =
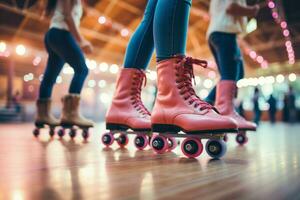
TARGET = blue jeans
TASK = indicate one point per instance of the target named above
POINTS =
(62, 47)
(228, 57)
(164, 26)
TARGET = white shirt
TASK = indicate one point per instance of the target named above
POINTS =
(58, 21)
(221, 21)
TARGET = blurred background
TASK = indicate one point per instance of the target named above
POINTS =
(271, 50)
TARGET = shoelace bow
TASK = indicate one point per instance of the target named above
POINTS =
(139, 81)
(185, 75)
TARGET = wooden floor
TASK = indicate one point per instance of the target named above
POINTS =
(268, 167)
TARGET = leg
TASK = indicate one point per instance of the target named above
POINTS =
(141, 44)
(229, 66)
(53, 68)
(212, 95)
(170, 27)
(67, 48)
(177, 107)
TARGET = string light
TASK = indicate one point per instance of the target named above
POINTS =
(124, 32)
(254, 55)
(263, 80)
(36, 61)
(102, 20)
(114, 68)
(285, 31)
(2, 47)
(20, 49)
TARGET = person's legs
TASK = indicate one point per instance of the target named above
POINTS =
(141, 44)
(64, 45)
(177, 107)
(170, 27)
(68, 49)
(127, 103)
(212, 95)
(53, 68)
(227, 55)
(230, 67)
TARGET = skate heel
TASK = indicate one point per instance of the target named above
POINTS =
(163, 128)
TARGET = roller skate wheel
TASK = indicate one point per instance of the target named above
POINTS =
(241, 138)
(216, 148)
(72, 133)
(61, 133)
(122, 140)
(107, 139)
(85, 134)
(159, 144)
(141, 142)
(51, 132)
(225, 138)
(36, 132)
(172, 142)
(192, 147)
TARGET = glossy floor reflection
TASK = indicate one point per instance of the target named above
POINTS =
(266, 168)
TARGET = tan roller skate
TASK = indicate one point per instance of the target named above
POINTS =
(72, 119)
(44, 118)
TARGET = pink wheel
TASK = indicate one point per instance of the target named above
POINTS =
(107, 139)
(122, 140)
(141, 141)
(192, 147)
(172, 142)
(159, 144)
(36, 132)
(225, 138)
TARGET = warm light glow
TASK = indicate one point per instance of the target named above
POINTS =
(260, 59)
(104, 98)
(20, 50)
(91, 64)
(292, 77)
(252, 54)
(91, 83)
(114, 68)
(271, 4)
(279, 78)
(208, 83)
(124, 32)
(36, 61)
(203, 93)
(197, 79)
(103, 67)
(68, 69)
(275, 15)
(286, 33)
(2, 47)
(261, 80)
(264, 64)
(270, 79)
(102, 20)
(283, 24)
(291, 62)
(288, 43)
(41, 77)
(102, 83)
